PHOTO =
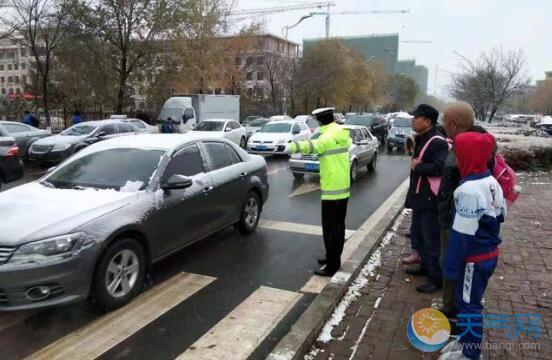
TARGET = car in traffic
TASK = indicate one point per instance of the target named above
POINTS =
(56, 148)
(362, 152)
(254, 126)
(376, 125)
(95, 224)
(25, 135)
(223, 128)
(544, 127)
(311, 122)
(280, 118)
(269, 139)
(400, 130)
(11, 167)
(249, 119)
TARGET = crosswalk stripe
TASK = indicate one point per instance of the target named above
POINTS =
(297, 228)
(242, 330)
(316, 283)
(305, 188)
(106, 332)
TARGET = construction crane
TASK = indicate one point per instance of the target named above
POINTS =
(246, 13)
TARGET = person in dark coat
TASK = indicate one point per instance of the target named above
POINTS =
(422, 199)
(76, 118)
(458, 118)
(27, 119)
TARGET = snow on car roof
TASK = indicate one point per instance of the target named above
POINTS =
(217, 120)
(151, 141)
(348, 126)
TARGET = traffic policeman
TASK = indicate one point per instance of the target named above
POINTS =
(332, 148)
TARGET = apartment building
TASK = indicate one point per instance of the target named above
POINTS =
(14, 67)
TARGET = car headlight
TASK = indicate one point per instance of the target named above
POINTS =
(61, 147)
(41, 251)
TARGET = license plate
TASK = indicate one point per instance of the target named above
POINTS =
(311, 167)
(261, 147)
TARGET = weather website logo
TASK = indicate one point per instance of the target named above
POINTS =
(428, 330)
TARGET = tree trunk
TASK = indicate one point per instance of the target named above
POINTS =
(493, 113)
(45, 98)
(122, 82)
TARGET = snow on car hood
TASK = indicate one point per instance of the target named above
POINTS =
(59, 139)
(260, 136)
(34, 211)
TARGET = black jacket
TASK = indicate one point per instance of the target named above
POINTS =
(449, 182)
(432, 165)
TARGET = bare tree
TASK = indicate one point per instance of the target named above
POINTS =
(39, 26)
(131, 30)
(490, 81)
(275, 70)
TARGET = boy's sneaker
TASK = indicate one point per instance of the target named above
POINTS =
(453, 355)
(452, 346)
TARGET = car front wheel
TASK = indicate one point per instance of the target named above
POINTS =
(242, 143)
(354, 171)
(120, 274)
(372, 164)
(250, 214)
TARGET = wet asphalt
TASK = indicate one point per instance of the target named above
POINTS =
(241, 264)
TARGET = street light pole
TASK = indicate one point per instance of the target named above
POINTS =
(287, 27)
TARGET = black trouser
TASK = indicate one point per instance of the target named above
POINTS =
(333, 229)
(429, 242)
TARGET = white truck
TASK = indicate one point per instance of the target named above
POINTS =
(188, 110)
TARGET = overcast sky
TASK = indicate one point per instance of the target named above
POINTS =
(466, 26)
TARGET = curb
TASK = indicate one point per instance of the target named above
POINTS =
(296, 343)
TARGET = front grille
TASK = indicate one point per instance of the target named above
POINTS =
(5, 253)
(41, 149)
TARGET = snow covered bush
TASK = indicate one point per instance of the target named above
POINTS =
(525, 152)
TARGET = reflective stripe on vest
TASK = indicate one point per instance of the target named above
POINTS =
(334, 152)
(311, 146)
(335, 192)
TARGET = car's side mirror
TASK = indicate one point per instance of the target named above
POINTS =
(101, 134)
(50, 169)
(296, 132)
(363, 142)
(177, 182)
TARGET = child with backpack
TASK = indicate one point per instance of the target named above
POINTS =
(472, 251)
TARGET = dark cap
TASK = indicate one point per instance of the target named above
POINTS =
(324, 115)
(426, 111)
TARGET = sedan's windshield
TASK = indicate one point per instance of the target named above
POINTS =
(365, 120)
(108, 169)
(78, 130)
(276, 128)
(402, 122)
(209, 126)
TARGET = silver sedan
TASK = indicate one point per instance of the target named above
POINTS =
(95, 223)
(363, 152)
(25, 135)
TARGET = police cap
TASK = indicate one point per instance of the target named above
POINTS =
(324, 115)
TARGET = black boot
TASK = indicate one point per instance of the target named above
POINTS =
(324, 271)
(418, 271)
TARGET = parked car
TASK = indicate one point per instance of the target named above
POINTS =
(400, 130)
(363, 152)
(376, 125)
(56, 148)
(544, 127)
(142, 126)
(312, 123)
(11, 167)
(255, 126)
(275, 133)
(280, 118)
(95, 223)
(223, 128)
(25, 135)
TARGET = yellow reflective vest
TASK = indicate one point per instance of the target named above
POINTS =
(332, 148)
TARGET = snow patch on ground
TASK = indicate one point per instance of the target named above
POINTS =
(340, 277)
(288, 355)
(358, 283)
